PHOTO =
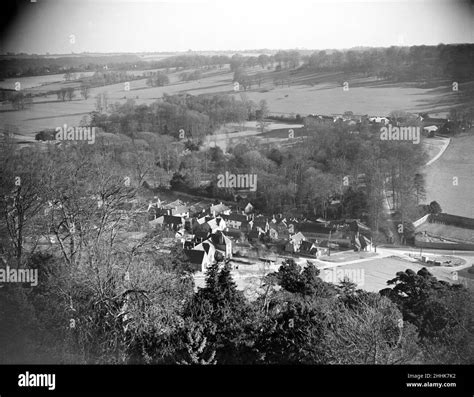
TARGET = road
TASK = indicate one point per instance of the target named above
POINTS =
(376, 270)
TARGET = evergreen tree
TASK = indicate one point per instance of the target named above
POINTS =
(197, 347)
(305, 282)
(226, 285)
(212, 274)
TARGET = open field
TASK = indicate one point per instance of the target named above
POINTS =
(466, 273)
(36, 81)
(330, 98)
(447, 231)
(456, 162)
(433, 146)
(48, 112)
(308, 93)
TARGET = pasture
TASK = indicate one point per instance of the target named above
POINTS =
(330, 98)
(447, 231)
(48, 112)
(28, 83)
(450, 179)
(307, 93)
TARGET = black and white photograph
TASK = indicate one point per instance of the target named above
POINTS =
(255, 185)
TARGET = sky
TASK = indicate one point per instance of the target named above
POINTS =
(66, 26)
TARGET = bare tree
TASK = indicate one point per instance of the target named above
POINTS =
(87, 201)
(20, 195)
(262, 113)
(62, 94)
(101, 102)
(85, 90)
(70, 93)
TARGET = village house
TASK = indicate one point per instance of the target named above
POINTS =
(181, 211)
(176, 203)
(202, 218)
(190, 224)
(308, 248)
(198, 209)
(193, 223)
(199, 259)
(201, 235)
(379, 120)
(293, 245)
(218, 209)
(152, 212)
(203, 254)
(153, 208)
(313, 229)
(222, 243)
(248, 208)
(255, 235)
(237, 221)
(175, 208)
(201, 229)
(217, 224)
(282, 230)
(260, 222)
(360, 235)
(173, 222)
(430, 130)
(273, 233)
(210, 250)
(189, 244)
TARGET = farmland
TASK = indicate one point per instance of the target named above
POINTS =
(448, 231)
(454, 195)
(330, 98)
(313, 93)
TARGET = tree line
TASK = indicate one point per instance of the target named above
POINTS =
(415, 63)
(197, 116)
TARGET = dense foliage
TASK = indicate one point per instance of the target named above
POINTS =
(103, 297)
